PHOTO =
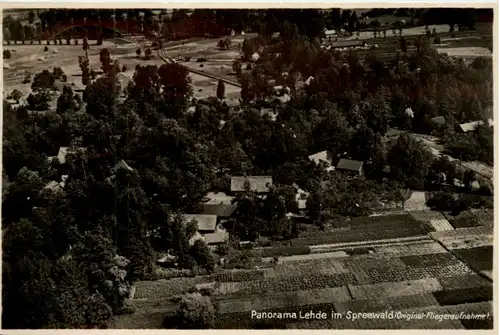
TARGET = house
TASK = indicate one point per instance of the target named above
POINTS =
(257, 183)
(213, 239)
(64, 151)
(324, 157)
(206, 222)
(53, 186)
(348, 44)
(301, 197)
(232, 104)
(471, 126)
(219, 204)
(438, 120)
(351, 166)
(273, 115)
(122, 165)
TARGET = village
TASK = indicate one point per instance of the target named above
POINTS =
(221, 170)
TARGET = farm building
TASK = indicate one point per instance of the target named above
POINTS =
(269, 112)
(232, 104)
(438, 120)
(64, 151)
(206, 222)
(257, 183)
(216, 238)
(471, 126)
(324, 157)
(53, 186)
(347, 44)
(122, 165)
(350, 166)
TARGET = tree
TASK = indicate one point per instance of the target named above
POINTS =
(105, 59)
(202, 255)
(31, 17)
(147, 53)
(409, 162)
(138, 52)
(403, 43)
(86, 46)
(195, 312)
(220, 89)
(6, 35)
(15, 95)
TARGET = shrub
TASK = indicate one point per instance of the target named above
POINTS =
(201, 65)
(7, 54)
(46, 48)
(138, 52)
(15, 95)
(148, 53)
(124, 68)
(126, 310)
(57, 72)
(437, 40)
(201, 59)
(64, 78)
(195, 312)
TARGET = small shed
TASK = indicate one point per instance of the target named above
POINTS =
(322, 157)
(351, 166)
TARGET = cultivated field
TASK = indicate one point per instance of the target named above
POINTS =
(374, 264)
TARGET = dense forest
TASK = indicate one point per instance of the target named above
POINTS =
(70, 255)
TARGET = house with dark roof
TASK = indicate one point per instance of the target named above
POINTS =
(206, 223)
(350, 166)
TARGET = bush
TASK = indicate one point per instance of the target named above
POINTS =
(126, 310)
(124, 68)
(57, 72)
(437, 40)
(201, 59)
(201, 65)
(195, 312)
(46, 48)
(6, 54)
(64, 78)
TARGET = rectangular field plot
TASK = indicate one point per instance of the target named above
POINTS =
(388, 303)
(463, 296)
(322, 267)
(478, 259)
(286, 284)
(285, 299)
(166, 288)
(237, 276)
(464, 220)
(375, 323)
(395, 289)
(421, 248)
(441, 259)
(485, 216)
(462, 282)
(394, 275)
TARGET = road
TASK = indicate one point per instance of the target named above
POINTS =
(169, 60)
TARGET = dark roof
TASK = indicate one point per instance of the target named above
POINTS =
(221, 210)
(343, 44)
(347, 164)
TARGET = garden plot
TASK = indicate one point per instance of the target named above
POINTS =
(321, 267)
(408, 274)
(167, 288)
(299, 258)
(386, 303)
(286, 299)
(395, 289)
(465, 238)
(433, 219)
(465, 219)
(461, 282)
(466, 52)
(430, 260)
(485, 216)
(286, 284)
(478, 259)
(417, 248)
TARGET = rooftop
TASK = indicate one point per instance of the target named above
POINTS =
(122, 165)
(348, 164)
(216, 238)
(220, 210)
(323, 156)
(257, 183)
(206, 222)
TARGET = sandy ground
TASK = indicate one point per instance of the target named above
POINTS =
(33, 59)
